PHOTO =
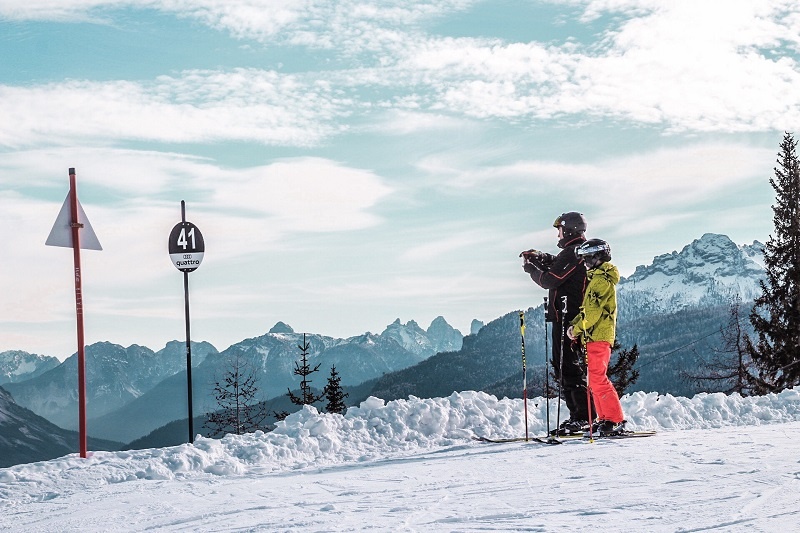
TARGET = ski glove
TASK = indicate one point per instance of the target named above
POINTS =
(571, 333)
(528, 254)
(533, 259)
(531, 268)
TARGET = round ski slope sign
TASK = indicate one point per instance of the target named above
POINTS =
(186, 246)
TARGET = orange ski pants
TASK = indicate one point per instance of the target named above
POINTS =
(606, 400)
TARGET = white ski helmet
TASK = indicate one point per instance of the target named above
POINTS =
(594, 252)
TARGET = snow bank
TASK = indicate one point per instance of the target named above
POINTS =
(652, 411)
(375, 430)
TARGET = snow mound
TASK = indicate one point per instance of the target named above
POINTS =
(376, 430)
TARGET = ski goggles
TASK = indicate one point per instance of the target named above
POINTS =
(589, 250)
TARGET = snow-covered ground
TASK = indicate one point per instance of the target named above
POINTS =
(718, 463)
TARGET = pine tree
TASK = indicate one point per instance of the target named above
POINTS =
(730, 368)
(307, 396)
(334, 394)
(239, 410)
(776, 313)
(621, 373)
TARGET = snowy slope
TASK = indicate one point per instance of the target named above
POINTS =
(723, 463)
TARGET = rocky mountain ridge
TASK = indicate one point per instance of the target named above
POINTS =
(709, 271)
(131, 391)
(114, 377)
(16, 365)
(27, 437)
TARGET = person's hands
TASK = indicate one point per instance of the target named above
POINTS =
(571, 333)
(530, 254)
(532, 261)
(530, 268)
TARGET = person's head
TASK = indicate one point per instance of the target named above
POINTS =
(570, 225)
(594, 252)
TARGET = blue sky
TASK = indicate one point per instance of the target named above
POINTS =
(354, 162)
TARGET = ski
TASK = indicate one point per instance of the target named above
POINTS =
(624, 435)
(561, 438)
(539, 440)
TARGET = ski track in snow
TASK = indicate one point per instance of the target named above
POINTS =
(717, 464)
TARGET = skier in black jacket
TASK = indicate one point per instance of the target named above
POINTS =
(564, 275)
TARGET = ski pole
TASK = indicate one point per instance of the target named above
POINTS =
(588, 393)
(546, 369)
(561, 362)
(524, 371)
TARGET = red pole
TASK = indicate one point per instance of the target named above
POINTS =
(524, 371)
(588, 395)
(76, 249)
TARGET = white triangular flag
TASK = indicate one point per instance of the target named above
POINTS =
(61, 234)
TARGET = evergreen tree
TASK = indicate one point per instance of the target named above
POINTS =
(621, 373)
(334, 394)
(730, 368)
(307, 396)
(776, 314)
(239, 410)
(280, 415)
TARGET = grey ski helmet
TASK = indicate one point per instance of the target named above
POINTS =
(572, 222)
(594, 252)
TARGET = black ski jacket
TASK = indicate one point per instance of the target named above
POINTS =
(562, 275)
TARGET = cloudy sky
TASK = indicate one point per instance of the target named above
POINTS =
(358, 161)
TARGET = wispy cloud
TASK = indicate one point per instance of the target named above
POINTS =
(623, 190)
(351, 25)
(197, 106)
(455, 245)
(295, 194)
(681, 66)
(308, 194)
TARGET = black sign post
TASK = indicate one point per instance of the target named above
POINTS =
(186, 249)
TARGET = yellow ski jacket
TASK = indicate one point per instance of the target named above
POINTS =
(597, 319)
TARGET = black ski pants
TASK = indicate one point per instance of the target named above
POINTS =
(571, 376)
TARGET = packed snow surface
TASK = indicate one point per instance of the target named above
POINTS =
(718, 463)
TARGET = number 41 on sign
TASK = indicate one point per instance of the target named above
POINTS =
(186, 246)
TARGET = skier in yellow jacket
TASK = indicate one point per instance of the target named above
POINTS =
(595, 327)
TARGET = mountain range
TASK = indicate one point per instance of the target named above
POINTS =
(131, 391)
(27, 437)
(664, 307)
(16, 366)
(115, 376)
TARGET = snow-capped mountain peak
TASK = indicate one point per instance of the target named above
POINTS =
(710, 270)
(439, 337)
(281, 327)
(16, 365)
(445, 338)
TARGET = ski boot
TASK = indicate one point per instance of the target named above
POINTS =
(607, 428)
(570, 427)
